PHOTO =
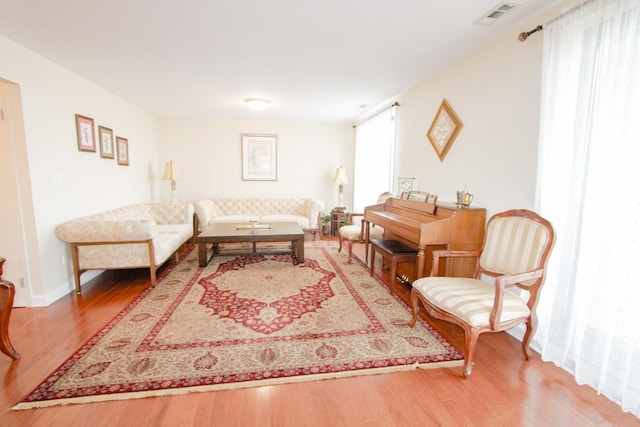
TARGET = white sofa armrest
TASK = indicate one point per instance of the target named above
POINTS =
(88, 230)
(313, 207)
(205, 209)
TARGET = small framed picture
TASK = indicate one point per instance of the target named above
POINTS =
(105, 138)
(123, 150)
(85, 133)
(405, 183)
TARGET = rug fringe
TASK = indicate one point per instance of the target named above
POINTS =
(232, 386)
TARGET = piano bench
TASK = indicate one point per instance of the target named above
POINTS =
(394, 252)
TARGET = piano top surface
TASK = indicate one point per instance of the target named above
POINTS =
(409, 219)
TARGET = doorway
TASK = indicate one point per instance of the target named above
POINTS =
(12, 143)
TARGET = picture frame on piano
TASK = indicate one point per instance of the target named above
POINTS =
(405, 195)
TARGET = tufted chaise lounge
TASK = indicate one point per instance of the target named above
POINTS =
(303, 211)
(136, 236)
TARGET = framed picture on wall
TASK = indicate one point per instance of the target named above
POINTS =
(105, 139)
(259, 157)
(444, 129)
(122, 145)
(85, 133)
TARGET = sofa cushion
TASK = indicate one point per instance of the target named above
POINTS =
(183, 231)
(129, 254)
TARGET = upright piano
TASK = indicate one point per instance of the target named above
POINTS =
(417, 224)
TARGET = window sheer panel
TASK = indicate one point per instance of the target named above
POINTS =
(374, 154)
(588, 171)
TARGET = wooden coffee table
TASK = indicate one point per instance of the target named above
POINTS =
(229, 233)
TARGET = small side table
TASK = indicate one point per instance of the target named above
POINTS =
(338, 218)
(7, 292)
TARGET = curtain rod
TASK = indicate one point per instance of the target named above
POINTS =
(523, 36)
(571, 10)
(375, 113)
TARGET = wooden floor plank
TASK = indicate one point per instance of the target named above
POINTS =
(503, 390)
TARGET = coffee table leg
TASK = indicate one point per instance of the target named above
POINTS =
(202, 254)
(298, 250)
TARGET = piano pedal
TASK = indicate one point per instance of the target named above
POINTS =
(404, 279)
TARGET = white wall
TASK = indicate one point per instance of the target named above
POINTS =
(208, 152)
(51, 96)
(496, 94)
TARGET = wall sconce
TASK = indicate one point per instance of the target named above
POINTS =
(257, 104)
(171, 173)
(340, 179)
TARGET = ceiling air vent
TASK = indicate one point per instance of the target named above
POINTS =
(496, 13)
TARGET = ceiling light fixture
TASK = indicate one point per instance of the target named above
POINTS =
(257, 104)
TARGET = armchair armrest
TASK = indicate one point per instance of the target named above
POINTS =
(450, 254)
(500, 284)
(353, 215)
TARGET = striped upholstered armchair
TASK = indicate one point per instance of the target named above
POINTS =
(354, 232)
(516, 246)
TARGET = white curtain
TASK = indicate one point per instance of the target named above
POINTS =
(589, 169)
(373, 169)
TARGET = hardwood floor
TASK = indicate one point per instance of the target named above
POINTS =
(504, 390)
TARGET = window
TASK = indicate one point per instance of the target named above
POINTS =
(374, 158)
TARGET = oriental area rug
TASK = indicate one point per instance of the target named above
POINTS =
(247, 321)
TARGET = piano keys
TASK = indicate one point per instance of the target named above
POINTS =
(448, 227)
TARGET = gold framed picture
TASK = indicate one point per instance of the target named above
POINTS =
(444, 129)
(122, 145)
(105, 139)
(85, 133)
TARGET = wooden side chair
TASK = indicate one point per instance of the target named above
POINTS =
(516, 246)
(356, 233)
(7, 292)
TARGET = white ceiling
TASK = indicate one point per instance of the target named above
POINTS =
(316, 61)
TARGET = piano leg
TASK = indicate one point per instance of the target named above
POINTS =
(420, 260)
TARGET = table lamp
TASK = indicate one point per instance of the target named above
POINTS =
(340, 179)
(171, 173)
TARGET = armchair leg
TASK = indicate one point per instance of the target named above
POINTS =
(414, 308)
(471, 338)
(526, 339)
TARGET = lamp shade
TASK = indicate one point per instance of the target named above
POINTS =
(171, 171)
(341, 176)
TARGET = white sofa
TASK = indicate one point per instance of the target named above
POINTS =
(136, 236)
(303, 211)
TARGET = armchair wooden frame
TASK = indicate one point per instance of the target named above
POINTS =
(7, 293)
(530, 281)
(363, 236)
